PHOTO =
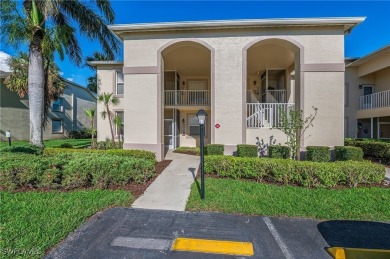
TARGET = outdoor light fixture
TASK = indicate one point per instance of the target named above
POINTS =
(202, 117)
(254, 82)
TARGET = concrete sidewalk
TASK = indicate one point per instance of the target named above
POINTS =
(171, 189)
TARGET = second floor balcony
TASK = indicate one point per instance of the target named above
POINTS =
(187, 97)
(376, 100)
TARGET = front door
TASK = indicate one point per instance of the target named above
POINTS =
(169, 130)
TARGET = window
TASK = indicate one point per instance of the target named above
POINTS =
(193, 124)
(120, 117)
(56, 126)
(119, 83)
(58, 105)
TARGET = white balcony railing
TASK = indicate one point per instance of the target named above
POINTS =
(376, 100)
(187, 97)
(266, 115)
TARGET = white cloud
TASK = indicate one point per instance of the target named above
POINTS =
(70, 79)
(61, 73)
(3, 61)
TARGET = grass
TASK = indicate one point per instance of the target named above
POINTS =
(33, 222)
(77, 143)
(246, 197)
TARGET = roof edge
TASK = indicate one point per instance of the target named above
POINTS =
(367, 57)
(104, 62)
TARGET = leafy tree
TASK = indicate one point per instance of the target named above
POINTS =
(32, 21)
(294, 126)
(108, 99)
(93, 81)
(91, 116)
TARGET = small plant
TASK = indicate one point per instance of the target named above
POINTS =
(247, 151)
(318, 154)
(294, 126)
(343, 153)
(66, 145)
(91, 116)
(279, 151)
(263, 147)
(214, 149)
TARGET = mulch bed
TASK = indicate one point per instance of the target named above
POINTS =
(136, 189)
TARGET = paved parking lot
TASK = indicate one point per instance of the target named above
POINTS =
(140, 233)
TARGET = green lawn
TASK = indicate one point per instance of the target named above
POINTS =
(246, 197)
(33, 222)
(77, 143)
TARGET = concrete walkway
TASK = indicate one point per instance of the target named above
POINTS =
(171, 189)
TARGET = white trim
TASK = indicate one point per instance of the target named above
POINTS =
(117, 71)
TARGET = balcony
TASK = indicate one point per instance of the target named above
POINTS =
(266, 115)
(187, 97)
(376, 100)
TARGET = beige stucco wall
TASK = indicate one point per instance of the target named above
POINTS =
(228, 82)
(106, 84)
(14, 113)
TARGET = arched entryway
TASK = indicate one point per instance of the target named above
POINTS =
(187, 82)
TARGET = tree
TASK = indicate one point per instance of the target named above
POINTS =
(118, 123)
(108, 99)
(17, 81)
(29, 26)
(91, 116)
(294, 126)
(93, 81)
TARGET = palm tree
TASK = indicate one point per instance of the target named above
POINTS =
(91, 116)
(93, 81)
(118, 123)
(29, 26)
(108, 99)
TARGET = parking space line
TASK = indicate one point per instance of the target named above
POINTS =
(278, 238)
(142, 243)
(213, 246)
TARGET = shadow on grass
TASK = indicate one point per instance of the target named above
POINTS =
(192, 170)
(356, 234)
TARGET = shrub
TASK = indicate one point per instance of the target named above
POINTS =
(373, 148)
(188, 150)
(279, 152)
(107, 144)
(343, 153)
(303, 173)
(318, 154)
(30, 149)
(66, 145)
(247, 151)
(215, 149)
(119, 152)
(81, 134)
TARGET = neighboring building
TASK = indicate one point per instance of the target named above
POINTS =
(367, 96)
(242, 72)
(66, 114)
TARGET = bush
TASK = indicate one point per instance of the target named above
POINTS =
(119, 152)
(279, 152)
(72, 170)
(81, 134)
(66, 145)
(107, 144)
(343, 153)
(247, 151)
(372, 148)
(318, 154)
(214, 149)
(303, 173)
(188, 150)
(30, 149)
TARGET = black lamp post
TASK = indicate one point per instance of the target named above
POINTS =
(202, 117)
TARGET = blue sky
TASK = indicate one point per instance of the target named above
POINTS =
(369, 36)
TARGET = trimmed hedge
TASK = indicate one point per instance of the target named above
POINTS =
(279, 152)
(29, 149)
(372, 148)
(142, 154)
(72, 170)
(247, 151)
(188, 150)
(318, 153)
(215, 149)
(303, 173)
(344, 153)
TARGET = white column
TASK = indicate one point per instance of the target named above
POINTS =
(372, 127)
(378, 128)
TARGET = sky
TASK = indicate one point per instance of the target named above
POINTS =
(372, 34)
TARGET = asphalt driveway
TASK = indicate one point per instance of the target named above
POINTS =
(140, 233)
